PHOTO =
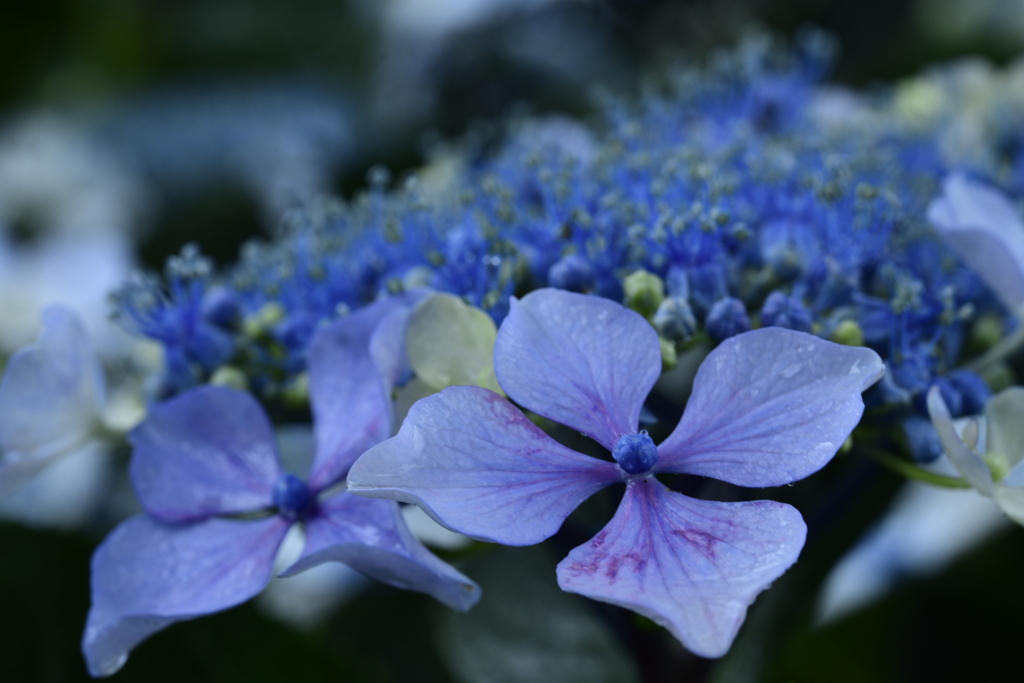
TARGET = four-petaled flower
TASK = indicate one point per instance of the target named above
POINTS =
(218, 503)
(768, 407)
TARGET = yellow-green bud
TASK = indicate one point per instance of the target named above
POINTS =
(669, 357)
(848, 333)
(644, 292)
(296, 393)
(986, 331)
(269, 315)
(229, 376)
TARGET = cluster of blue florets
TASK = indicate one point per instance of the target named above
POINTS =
(723, 183)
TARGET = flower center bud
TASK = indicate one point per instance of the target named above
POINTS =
(292, 497)
(635, 453)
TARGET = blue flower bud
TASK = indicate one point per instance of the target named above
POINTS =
(635, 453)
(789, 312)
(675, 321)
(573, 273)
(707, 285)
(727, 318)
(922, 439)
(913, 373)
(950, 394)
(973, 391)
(220, 306)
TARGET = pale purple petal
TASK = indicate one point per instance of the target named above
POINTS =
(50, 397)
(770, 407)
(146, 575)
(207, 451)
(478, 466)
(970, 465)
(693, 566)
(353, 364)
(985, 229)
(371, 537)
(580, 360)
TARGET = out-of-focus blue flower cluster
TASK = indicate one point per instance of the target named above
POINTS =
(751, 193)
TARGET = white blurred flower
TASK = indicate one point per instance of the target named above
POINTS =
(54, 436)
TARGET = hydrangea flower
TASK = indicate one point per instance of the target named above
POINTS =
(218, 503)
(52, 398)
(996, 473)
(768, 407)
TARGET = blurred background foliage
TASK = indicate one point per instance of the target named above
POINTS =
(385, 80)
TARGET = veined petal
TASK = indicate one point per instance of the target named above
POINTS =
(371, 537)
(478, 466)
(770, 407)
(147, 575)
(987, 232)
(51, 392)
(1004, 416)
(970, 465)
(580, 360)
(693, 566)
(209, 450)
(353, 364)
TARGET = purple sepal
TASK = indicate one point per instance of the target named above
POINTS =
(477, 465)
(585, 362)
(353, 363)
(770, 407)
(147, 574)
(208, 451)
(370, 536)
(693, 566)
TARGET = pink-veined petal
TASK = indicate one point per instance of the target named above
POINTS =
(478, 466)
(691, 565)
(583, 361)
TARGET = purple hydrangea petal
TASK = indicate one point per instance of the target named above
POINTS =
(770, 407)
(50, 397)
(147, 575)
(478, 466)
(371, 537)
(585, 362)
(209, 450)
(353, 364)
(985, 229)
(970, 465)
(693, 566)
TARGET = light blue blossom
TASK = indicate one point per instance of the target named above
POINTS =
(52, 398)
(768, 407)
(218, 503)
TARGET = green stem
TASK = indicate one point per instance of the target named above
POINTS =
(998, 352)
(909, 470)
